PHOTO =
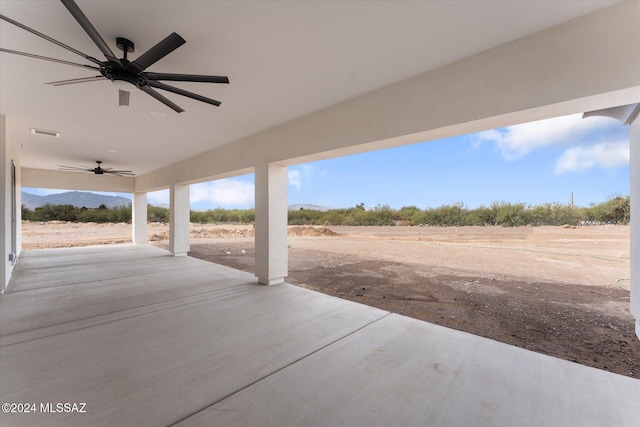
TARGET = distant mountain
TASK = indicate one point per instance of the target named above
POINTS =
(91, 200)
(309, 208)
(76, 198)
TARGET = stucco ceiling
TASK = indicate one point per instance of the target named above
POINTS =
(284, 60)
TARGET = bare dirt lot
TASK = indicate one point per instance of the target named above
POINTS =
(555, 290)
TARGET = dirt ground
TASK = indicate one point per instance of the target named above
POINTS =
(560, 291)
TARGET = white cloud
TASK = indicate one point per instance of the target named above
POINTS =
(516, 141)
(159, 197)
(295, 178)
(608, 155)
(224, 192)
(221, 193)
(298, 175)
(234, 191)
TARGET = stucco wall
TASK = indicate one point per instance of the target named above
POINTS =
(7, 155)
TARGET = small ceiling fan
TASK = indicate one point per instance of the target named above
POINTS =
(99, 170)
(124, 74)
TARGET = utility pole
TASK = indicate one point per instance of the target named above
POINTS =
(572, 199)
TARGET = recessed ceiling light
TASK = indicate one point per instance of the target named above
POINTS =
(45, 132)
(157, 114)
(111, 151)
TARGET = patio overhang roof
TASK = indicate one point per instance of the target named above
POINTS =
(308, 80)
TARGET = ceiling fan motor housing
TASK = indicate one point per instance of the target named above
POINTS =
(127, 74)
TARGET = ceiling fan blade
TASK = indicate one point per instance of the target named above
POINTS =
(123, 98)
(121, 173)
(184, 93)
(90, 30)
(159, 51)
(46, 58)
(161, 98)
(54, 41)
(186, 77)
(74, 81)
(73, 169)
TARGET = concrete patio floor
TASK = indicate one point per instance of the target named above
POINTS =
(143, 338)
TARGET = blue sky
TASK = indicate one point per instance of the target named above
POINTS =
(534, 163)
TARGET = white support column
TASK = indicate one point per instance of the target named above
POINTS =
(630, 115)
(634, 162)
(139, 218)
(271, 259)
(179, 220)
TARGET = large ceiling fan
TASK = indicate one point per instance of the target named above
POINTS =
(99, 170)
(124, 74)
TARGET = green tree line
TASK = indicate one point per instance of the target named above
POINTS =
(71, 213)
(616, 210)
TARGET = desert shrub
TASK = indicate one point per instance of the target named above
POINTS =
(445, 215)
(219, 215)
(352, 216)
(512, 214)
(379, 215)
(56, 213)
(482, 216)
(407, 214)
(333, 217)
(306, 217)
(157, 214)
(242, 216)
(616, 210)
(122, 214)
(555, 214)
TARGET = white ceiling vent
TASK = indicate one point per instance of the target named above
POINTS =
(45, 132)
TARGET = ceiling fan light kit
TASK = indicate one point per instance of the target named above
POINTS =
(125, 85)
(127, 76)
